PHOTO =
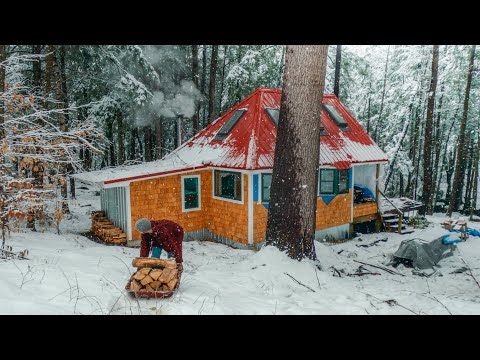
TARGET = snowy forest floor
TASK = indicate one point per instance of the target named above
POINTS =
(70, 274)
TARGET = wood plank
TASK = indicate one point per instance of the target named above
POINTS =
(365, 218)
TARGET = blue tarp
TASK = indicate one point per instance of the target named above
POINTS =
(470, 231)
(366, 192)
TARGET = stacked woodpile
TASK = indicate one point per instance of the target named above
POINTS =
(105, 230)
(154, 275)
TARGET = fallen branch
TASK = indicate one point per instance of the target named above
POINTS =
(298, 282)
(364, 273)
(380, 267)
(372, 243)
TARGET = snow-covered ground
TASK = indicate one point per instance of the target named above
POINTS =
(70, 274)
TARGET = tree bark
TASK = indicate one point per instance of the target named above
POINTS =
(211, 87)
(222, 81)
(147, 136)
(427, 146)
(49, 73)
(338, 62)
(468, 189)
(158, 138)
(62, 105)
(204, 81)
(476, 170)
(461, 140)
(291, 215)
(133, 137)
(196, 80)
(37, 68)
(120, 132)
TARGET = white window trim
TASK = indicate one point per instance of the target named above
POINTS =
(260, 191)
(199, 193)
(225, 199)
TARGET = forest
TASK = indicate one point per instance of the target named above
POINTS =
(72, 108)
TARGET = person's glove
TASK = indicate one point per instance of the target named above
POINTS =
(180, 267)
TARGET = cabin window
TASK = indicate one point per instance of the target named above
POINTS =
(327, 181)
(336, 117)
(266, 184)
(273, 114)
(191, 193)
(230, 123)
(333, 181)
(228, 185)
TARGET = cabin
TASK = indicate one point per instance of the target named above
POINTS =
(217, 184)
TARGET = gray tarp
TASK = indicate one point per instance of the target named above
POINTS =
(423, 254)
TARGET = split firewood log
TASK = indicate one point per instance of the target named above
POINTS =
(155, 274)
(148, 287)
(139, 275)
(155, 285)
(135, 285)
(166, 275)
(145, 270)
(146, 280)
(164, 287)
(153, 262)
(171, 284)
(171, 275)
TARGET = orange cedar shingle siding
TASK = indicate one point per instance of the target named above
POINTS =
(337, 212)
(364, 209)
(161, 198)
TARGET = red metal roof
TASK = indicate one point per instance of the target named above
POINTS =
(251, 143)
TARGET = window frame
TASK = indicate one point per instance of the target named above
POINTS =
(336, 182)
(269, 114)
(199, 184)
(219, 197)
(221, 135)
(261, 187)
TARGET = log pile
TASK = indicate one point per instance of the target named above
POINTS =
(105, 230)
(154, 275)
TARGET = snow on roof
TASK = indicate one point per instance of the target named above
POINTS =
(250, 144)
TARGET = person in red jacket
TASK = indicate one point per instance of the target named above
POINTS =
(158, 235)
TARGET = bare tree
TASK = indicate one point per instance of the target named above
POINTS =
(338, 63)
(291, 216)
(211, 88)
(427, 148)
(461, 139)
(196, 81)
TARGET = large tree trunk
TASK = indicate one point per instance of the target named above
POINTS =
(338, 62)
(49, 68)
(132, 155)
(211, 87)
(461, 139)
(222, 80)
(158, 138)
(379, 121)
(468, 189)
(293, 201)
(427, 146)
(121, 145)
(147, 136)
(37, 68)
(196, 80)
(62, 104)
(475, 171)
(63, 79)
(203, 83)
